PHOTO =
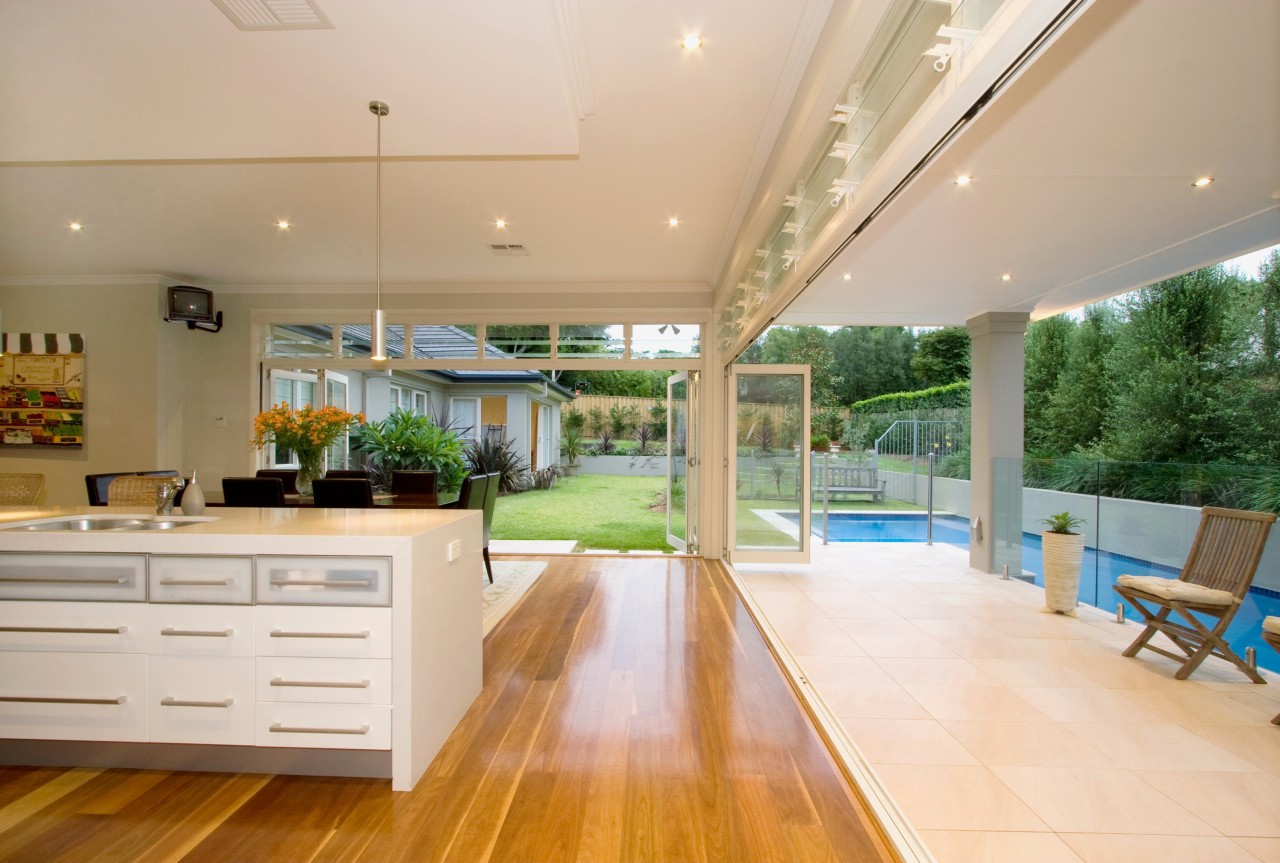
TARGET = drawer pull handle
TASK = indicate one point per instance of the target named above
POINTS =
(277, 728)
(68, 630)
(328, 684)
(199, 633)
(174, 702)
(32, 699)
(280, 633)
(197, 582)
(60, 579)
(320, 582)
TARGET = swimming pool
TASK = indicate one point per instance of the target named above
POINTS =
(1098, 572)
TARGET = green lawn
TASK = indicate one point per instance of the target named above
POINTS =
(613, 512)
(605, 512)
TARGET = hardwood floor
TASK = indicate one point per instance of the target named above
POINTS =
(631, 712)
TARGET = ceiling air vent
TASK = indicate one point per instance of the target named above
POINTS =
(274, 14)
(509, 250)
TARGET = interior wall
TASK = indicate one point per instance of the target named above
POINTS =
(128, 424)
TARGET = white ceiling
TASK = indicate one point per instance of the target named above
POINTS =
(1082, 174)
(179, 140)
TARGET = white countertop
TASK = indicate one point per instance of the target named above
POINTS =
(236, 530)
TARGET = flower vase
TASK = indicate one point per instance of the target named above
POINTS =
(310, 468)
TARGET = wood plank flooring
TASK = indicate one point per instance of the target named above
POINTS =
(631, 712)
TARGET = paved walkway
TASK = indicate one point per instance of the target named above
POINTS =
(1007, 734)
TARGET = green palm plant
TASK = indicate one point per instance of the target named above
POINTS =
(409, 441)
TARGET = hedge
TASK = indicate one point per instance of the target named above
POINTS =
(950, 396)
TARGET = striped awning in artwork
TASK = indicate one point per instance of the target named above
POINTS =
(43, 343)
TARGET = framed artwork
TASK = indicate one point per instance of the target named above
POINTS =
(42, 390)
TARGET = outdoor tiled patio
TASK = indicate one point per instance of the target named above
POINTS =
(1007, 734)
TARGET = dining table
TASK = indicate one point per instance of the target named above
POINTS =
(388, 500)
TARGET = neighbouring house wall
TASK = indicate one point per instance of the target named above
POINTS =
(135, 381)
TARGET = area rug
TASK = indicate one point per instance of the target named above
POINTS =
(511, 580)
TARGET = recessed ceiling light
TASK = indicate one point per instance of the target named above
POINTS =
(1006, 277)
(692, 42)
(1202, 182)
(75, 226)
(964, 180)
(499, 223)
(673, 222)
(847, 276)
(283, 224)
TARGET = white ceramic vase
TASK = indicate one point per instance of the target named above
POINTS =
(1063, 553)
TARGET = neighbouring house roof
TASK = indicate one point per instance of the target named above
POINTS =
(437, 341)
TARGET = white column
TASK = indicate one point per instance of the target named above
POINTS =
(996, 364)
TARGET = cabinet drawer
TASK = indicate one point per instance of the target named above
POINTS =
(73, 696)
(281, 630)
(110, 627)
(337, 681)
(323, 726)
(198, 700)
(226, 580)
(118, 577)
(200, 630)
(324, 580)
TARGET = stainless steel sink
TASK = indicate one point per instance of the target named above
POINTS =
(108, 523)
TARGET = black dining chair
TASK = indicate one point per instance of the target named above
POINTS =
(343, 493)
(288, 476)
(346, 474)
(252, 491)
(414, 481)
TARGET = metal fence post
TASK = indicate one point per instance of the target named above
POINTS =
(928, 534)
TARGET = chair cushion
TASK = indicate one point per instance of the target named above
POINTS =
(1271, 624)
(1175, 589)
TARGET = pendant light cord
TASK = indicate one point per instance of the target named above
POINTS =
(378, 304)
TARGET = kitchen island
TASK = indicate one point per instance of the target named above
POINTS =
(316, 641)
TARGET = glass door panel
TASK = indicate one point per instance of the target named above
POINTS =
(678, 459)
(769, 463)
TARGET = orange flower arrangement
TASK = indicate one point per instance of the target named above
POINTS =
(305, 430)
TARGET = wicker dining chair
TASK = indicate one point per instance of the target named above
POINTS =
(1213, 583)
(136, 490)
(20, 489)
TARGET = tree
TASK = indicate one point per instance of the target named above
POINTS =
(1047, 351)
(1073, 414)
(871, 361)
(809, 346)
(942, 357)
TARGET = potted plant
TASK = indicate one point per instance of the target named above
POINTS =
(1063, 550)
(306, 433)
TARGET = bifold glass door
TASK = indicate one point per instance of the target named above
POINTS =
(768, 463)
(682, 463)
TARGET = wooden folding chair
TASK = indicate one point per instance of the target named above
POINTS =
(1271, 635)
(1214, 581)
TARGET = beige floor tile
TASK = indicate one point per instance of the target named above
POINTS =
(1114, 848)
(856, 626)
(990, 703)
(954, 627)
(1265, 849)
(1033, 624)
(1088, 705)
(843, 672)
(787, 603)
(812, 636)
(992, 646)
(1034, 672)
(758, 581)
(903, 645)
(1091, 800)
(1257, 744)
(851, 603)
(936, 671)
(1108, 667)
(957, 798)
(873, 701)
(906, 741)
(1238, 804)
(976, 846)
(1025, 744)
(1195, 705)
(1140, 746)
(821, 582)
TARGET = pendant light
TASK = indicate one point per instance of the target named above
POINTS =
(379, 341)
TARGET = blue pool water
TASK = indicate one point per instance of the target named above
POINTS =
(1097, 578)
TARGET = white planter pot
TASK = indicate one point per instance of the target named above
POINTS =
(1063, 553)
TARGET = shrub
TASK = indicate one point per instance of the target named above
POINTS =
(949, 396)
(622, 419)
(604, 444)
(409, 441)
(645, 438)
(597, 424)
(573, 420)
(658, 420)
(493, 456)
